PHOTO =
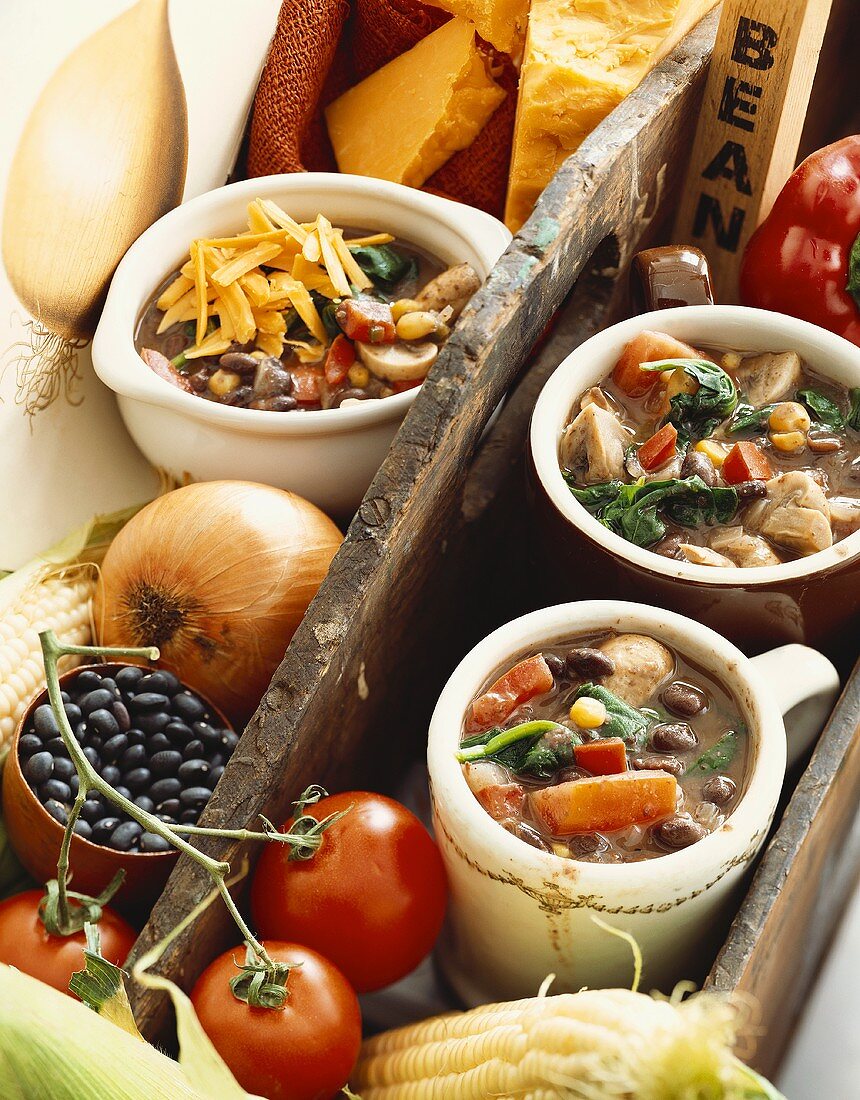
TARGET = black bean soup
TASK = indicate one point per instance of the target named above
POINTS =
(327, 351)
(716, 458)
(151, 739)
(607, 747)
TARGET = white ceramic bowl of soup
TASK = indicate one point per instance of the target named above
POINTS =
(814, 599)
(328, 456)
(517, 913)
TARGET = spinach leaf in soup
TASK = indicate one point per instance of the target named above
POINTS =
(537, 748)
(698, 414)
(823, 409)
(327, 313)
(718, 756)
(595, 498)
(383, 263)
(749, 418)
(854, 414)
(622, 720)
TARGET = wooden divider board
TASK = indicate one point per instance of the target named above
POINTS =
(755, 101)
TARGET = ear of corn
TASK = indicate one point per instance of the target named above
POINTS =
(53, 592)
(595, 1045)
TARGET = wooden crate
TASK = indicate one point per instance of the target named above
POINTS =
(438, 555)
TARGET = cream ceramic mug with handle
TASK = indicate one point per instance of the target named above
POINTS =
(517, 913)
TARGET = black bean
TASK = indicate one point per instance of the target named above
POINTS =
(111, 774)
(93, 756)
(103, 829)
(696, 464)
(57, 747)
(74, 785)
(679, 832)
(163, 789)
(124, 836)
(109, 684)
(170, 807)
(138, 779)
(172, 683)
(684, 699)
(589, 664)
(351, 394)
(145, 803)
(81, 732)
(658, 762)
(63, 769)
(193, 749)
(157, 742)
(211, 738)
(83, 828)
(124, 791)
(719, 789)
(282, 402)
(120, 712)
(167, 762)
(213, 776)
(148, 701)
(103, 723)
(153, 723)
(128, 678)
(92, 812)
(28, 744)
(195, 796)
(673, 737)
(96, 700)
(750, 490)
(152, 842)
(556, 665)
(218, 759)
(187, 707)
(94, 741)
(73, 713)
(190, 816)
(199, 380)
(178, 733)
(64, 695)
(528, 834)
(115, 747)
(169, 819)
(57, 811)
(86, 681)
(44, 722)
(229, 741)
(54, 788)
(94, 796)
(239, 362)
(135, 736)
(587, 844)
(39, 768)
(153, 681)
(134, 757)
(194, 772)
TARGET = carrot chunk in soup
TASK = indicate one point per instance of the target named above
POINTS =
(647, 347)
(529, 678)
(605, 802)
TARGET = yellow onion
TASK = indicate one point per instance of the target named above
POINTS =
(218, 575)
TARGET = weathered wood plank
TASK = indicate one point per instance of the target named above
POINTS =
(371, 617)
(775, 945)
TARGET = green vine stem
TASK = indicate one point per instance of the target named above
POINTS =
(266, 975)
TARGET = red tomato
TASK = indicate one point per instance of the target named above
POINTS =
(657, 450)
(306, 384)
(366, 320)
(26, 944)
(371, 899)
(647, 347)
(303, 1051)
(341, 356)
(606, 756)
(745, 462)
(529, 678)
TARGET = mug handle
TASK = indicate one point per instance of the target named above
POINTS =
(671, 275)
(806, 686)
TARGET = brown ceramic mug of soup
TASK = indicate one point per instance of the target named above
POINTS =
(707, 458)
(614, 760)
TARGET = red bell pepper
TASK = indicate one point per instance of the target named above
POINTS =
(656, 451)
(529, 678)
(341, 356)
(804, 259)
(745, 462)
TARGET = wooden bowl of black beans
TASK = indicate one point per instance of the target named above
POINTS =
(156, 741)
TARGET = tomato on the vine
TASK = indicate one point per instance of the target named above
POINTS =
(371, 899)
(302, 1051)
(26, 944)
